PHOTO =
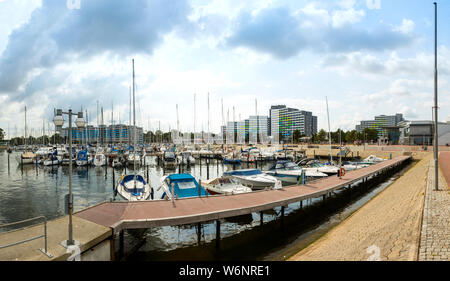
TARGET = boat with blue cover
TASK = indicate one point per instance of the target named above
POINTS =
(254, 178)
(133, 188)
(181, 185)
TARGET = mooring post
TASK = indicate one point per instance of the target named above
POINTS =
(121, 245)
(282, 217)
(261, 218)
(217, 234)
(207, 169)
(301, 204)
(199, 233)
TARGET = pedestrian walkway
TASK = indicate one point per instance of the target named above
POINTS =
(387, 228)
(435, 235)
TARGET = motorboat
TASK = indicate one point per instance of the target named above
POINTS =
(349, 166)
(225, 186)
(186, 158)
(255, 179)
(181, 186)
(372, 159)
(315, 165)
(169, 159)
(51, 160)
(132, 158)
(133, 187)
(290, 173)
(231, 159)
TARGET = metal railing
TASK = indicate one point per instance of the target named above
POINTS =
(44, 250)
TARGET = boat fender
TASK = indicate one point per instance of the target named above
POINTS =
(342, 172)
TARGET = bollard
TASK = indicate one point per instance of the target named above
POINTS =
(173, 193)
(199, 188)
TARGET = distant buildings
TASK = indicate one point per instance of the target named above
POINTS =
(284, 121)
(105, 134)
(380, 122)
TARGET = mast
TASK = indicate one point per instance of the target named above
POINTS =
(25, 128)
(103, 131)
(134, 130)
(329, 130)
(178, 125)
(194, 118)
(129, 122)
(223, 122)
(207, 133)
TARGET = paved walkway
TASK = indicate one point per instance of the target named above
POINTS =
(386, 228)
(435, 236)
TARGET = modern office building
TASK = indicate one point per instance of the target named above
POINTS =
(105, 134)
(285, 121)
(379, 122)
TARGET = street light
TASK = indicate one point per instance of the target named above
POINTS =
(58, 120)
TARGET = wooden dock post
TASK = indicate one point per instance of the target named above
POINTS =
(199, 233)
(121, 245)
(261, 218)
(217, 234)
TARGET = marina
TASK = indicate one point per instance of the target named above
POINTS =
(104, 212)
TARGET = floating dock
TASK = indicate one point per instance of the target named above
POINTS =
(112, 218)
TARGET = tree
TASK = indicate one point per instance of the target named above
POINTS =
(296, 136)
(351, 136)
(321, 136)
(370, 134)
(2, 134)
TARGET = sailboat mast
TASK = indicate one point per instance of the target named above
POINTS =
(207, 141)
(25, 128)
(134, 130)
(329, 130)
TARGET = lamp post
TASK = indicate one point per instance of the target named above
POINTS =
(436, 168)
(58, 120)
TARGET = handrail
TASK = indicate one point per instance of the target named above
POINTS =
(32, 238)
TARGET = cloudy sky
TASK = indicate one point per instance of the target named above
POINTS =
(369, 57)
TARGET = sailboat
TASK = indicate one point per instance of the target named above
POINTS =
(133, 187)
(27, 156)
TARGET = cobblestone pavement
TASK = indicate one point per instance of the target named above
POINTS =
(435, 235)
(386, 228)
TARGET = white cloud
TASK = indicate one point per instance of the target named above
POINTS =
(343, 17)
(407, 26)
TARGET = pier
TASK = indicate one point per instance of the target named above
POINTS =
(112, 218)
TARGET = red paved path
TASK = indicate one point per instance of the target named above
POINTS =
(121, 215)
(444, 164)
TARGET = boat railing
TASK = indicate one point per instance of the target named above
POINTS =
(44, 235)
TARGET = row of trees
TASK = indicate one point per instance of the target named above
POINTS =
(368, 135)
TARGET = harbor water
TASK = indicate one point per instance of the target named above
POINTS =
(30, 191)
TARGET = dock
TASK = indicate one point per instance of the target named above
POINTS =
(98, 224)
(135, 215)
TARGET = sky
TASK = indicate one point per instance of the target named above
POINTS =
(366, 57)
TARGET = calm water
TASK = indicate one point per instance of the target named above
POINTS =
(30, 191)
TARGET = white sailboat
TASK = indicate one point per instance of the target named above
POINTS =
(133, 187)
(27, 156)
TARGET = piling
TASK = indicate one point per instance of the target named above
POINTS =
(199, 233)
(261, 218)
(217, 234)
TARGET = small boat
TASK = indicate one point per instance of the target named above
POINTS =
(181, 185)
(290, 173)
(99, 159)
(186, 158)
(372, 159)
(169, 159)
(25, 158)
(132, 158)
(255, 179)
(117, 162)
(133, 187)
(232, 159)
(82, 158)
(51, 159)
(225, 186)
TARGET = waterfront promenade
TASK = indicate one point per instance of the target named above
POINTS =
(435, 236)
(406, 222)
